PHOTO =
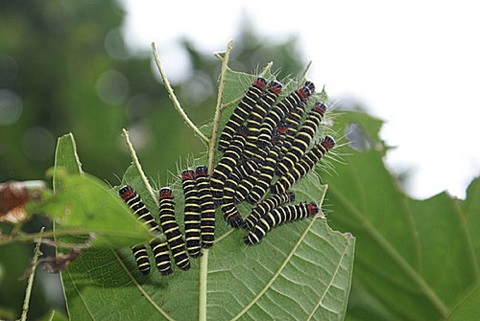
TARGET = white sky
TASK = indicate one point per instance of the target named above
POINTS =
(415, 64)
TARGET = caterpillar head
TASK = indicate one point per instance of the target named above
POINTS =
(306, 90)
(236, 221)
(328, 142)
(201, 171)
(260, 82)
(165, 192)
(312, 208)
(275, 87)
(126, 192)
(188, 174)
(320, 108)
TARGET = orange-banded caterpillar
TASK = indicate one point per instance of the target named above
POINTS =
(171, 230)
(207, 208)
(278, 216)
(256, 117)
(226, 165)
(302, 140)
(241, 112)
(264, 175)
(266, 206)
(306, 163)
(191, 213)
(280, 110)
(159, 248)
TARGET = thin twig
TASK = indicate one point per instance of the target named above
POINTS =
(305, 72)
(218, 108)
(28, 291)
(174, 99)
(137, 164)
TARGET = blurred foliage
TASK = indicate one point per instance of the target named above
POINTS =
(64, 67)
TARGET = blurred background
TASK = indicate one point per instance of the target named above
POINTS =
(85, 67)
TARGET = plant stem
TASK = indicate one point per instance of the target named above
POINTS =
(28, 291)
(137, 164)
(174, 99)
(218, 108)
(202, 297)
(203, 274)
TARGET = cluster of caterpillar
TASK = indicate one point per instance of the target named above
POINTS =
(267, 147)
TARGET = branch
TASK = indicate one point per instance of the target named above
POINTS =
(218, 108)
(174, 99)
(28, 291)
(137, 164)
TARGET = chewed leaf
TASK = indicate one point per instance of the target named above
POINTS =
(300, 271)
(66, 157)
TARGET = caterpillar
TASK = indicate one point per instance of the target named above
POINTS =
(302, 140)
(278, 216)
(230, 212)
(306, 163)
(266, 206)
(292, 122)
(134, 201)
(279, 112)
(244, 172)
(264, 176)
(207, 208)
(249, 180)
(192, 213)
(241, 112)
(256, 117)
(162, 256)
(141, 258)
(226, 165)
(171, 230)
(159, 247)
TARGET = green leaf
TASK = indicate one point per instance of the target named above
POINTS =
(66, 157)
(467, 309)
(85, 206)
(415, 259)
(300, 271)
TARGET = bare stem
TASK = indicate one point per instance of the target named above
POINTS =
(202, 304)
(218, 108)
(137, 164)
(28, 291)
(305, 72)
(174, 99)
